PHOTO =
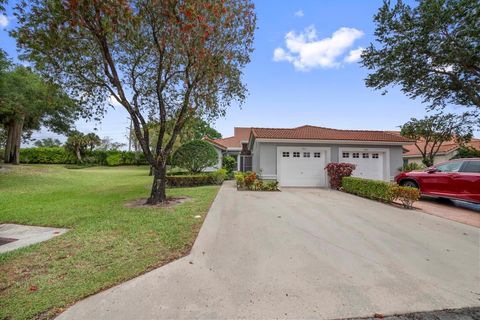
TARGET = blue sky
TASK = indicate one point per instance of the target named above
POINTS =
(303, 71)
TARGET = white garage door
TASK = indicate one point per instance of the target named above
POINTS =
(301, 166)
(370, 164)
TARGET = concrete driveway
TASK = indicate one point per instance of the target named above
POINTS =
(304, 253)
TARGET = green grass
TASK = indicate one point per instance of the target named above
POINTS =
(107, 243)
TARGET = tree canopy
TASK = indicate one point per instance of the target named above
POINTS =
(29, 102)
(160, 60)
(47, 143)
(431, 51)
(432, 131)
(195, 156)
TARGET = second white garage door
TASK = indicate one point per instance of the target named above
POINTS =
(301, 166)
(370, 164)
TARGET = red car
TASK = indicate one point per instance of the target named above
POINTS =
(455, 179)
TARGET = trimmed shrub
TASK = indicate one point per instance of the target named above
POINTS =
(58, 155)
(240, 179)
(195, 156)
(406, 195)
(336, 171)
(195, 180)
(52, 155)
(372, 189)
(218, 176)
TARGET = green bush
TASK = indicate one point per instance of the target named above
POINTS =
(229, 164)
(114, 159)
(406, 195)
(218, 176)
(58, 155)
(195, 156)
(372, 189)
(194, 180)
(52, 155)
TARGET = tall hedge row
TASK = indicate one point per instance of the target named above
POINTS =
(58, 155)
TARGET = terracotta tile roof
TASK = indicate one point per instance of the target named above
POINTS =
(446, 147)
(212, 141)
(240, 134)
(320, 133)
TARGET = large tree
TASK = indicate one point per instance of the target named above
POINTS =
(27, 103)
(48, 143)
(431, 51)
(160, 60)
(431, 132)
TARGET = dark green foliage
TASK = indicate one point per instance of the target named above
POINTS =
(58, 155)
(194, 180)
(230, 165)
(467, 152)
(430, 51)
(431, 132)
(372, 189)
(195, 156)
(47, 143)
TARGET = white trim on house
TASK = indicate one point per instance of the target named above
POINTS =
(280, 149)
(386, 161)
(355, 142)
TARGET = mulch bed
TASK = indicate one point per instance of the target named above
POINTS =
(170, 202)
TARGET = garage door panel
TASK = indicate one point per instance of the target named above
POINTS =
(302, 167)
(369, 164)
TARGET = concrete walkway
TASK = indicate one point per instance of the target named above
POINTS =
(23, 236)
(304, 253)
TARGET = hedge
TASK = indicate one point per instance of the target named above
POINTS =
(372, 189)
(58, 155)
(195, 180)
(381, 190)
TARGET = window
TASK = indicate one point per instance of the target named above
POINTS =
(450, 167)
(296, 154)
(471, 166)
(316, 154)
(365, 155)
(285, 154)
(356, 155)
(346, 155)
(374, 155)
(306, 154)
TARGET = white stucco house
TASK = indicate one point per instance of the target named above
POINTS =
(297, 156)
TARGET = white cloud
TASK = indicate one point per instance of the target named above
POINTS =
(3, 20)
(299, 13)
(354, 55)
(305, 51)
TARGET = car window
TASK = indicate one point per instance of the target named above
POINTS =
(471, 166)
(450, 166)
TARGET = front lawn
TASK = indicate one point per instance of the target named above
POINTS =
(108, 243)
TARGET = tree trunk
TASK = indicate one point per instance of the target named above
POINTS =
(79, 154)
(158, 194)
(14, 139)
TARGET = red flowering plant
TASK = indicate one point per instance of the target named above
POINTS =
(336, 171)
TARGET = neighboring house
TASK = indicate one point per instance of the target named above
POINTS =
(236, 146)
(447, 151)
(298, 156)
